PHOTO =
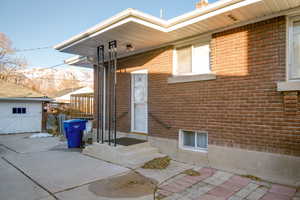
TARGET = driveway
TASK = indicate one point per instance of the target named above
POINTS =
(43, 168)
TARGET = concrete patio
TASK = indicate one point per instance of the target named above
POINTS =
(44, 169)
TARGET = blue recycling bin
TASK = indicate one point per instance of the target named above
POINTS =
(74, 131)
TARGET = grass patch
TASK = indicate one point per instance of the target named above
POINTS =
(157, 163)
(89, 141)
(254, 178)
(160, 197)
(191, 172)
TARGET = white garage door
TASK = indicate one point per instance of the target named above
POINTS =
(20, 117)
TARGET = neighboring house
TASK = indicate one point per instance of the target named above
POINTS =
(21, 109)
(64, 96)
(218, 86)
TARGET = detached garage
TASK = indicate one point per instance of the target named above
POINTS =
(21, 109)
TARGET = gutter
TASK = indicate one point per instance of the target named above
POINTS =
(75, 59)
(26, 99)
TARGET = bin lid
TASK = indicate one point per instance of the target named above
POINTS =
(75, 121)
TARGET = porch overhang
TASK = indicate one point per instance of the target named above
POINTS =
(82, 61)
(145, 32)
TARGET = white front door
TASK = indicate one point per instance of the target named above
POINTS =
(139, 101)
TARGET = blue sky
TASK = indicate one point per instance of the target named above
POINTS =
(42, 23)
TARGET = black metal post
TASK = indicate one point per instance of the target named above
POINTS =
(109, 95)
(98, 93)
(115, 94)
(113, 51)
(102, 92)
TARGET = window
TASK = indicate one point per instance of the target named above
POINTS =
(184, 60)
(19, 110)
(193, 140)
(192, 59)
(294, 49)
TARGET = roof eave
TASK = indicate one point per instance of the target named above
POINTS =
(137, 15)
(111, 21)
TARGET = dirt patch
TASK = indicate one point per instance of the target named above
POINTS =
(160, 197)
(157, 163)
(131, 185)
(254, 178)
(191, 172)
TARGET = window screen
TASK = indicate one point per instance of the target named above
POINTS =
(184, 60)
(202, 140)
(189, 138)
(295, 68)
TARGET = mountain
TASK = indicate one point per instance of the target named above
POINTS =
(49, 81)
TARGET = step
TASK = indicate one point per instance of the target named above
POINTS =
(136, 146)
(133, 156)
(141, 151)
(124, 151)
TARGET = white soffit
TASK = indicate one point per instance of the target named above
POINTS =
(81, 61)
(144, 31)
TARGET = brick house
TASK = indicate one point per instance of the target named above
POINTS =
(218, 86)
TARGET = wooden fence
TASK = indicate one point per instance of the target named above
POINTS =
(82, 105)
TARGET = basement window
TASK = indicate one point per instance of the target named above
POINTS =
(193, 140)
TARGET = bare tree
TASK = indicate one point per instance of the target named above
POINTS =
(9, 63)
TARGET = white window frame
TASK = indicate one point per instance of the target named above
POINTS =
(290, 52)
(196, 148)
(175, 66)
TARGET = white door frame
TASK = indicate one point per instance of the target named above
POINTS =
(144, 71)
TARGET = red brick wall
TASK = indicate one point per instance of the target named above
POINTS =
(249, 61)
(241, 108)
